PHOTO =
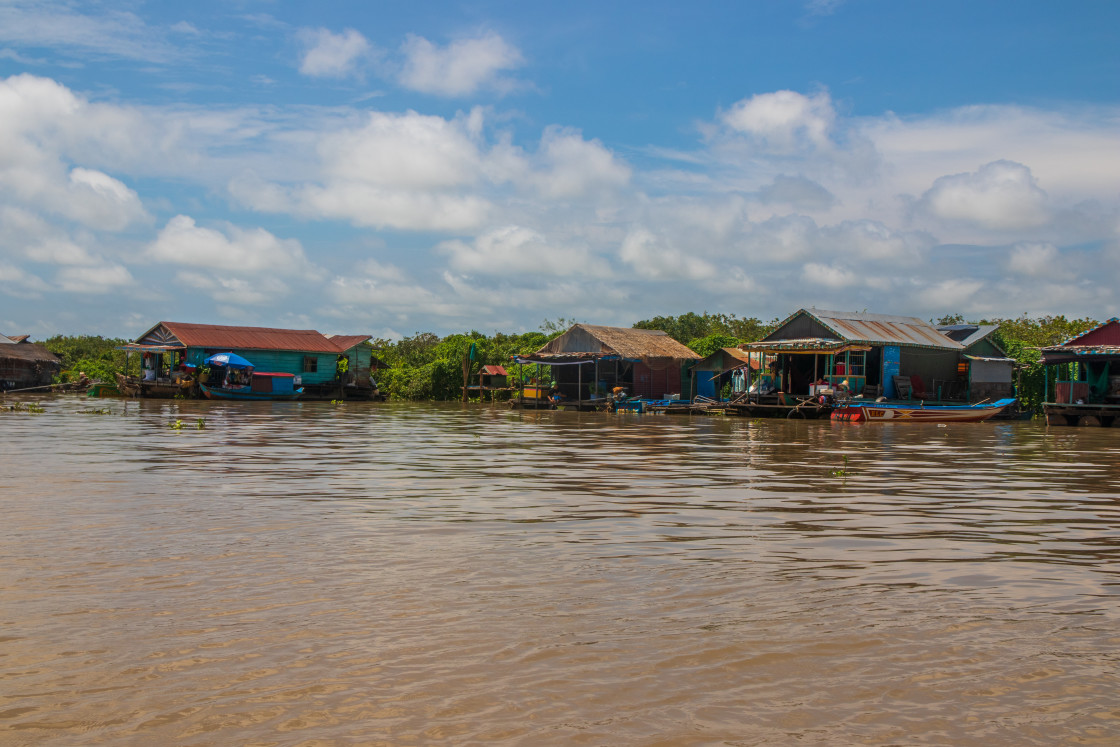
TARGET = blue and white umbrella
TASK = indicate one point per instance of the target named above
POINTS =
(232, 360)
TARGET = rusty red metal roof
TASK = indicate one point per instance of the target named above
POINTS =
(494, 371)
(215, 336)
(345, 342)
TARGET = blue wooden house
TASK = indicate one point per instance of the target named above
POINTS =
(170, 350)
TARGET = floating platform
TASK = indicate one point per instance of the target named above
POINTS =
(1091, 415)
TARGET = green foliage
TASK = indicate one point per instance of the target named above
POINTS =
(705, 346)
(693, 326)
(93, 355)
(1021, 339)
(427, 367)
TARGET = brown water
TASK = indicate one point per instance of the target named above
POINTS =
(301, 573)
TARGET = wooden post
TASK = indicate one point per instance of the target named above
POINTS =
(579, 386)
(466, 374)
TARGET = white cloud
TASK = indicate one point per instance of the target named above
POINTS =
(19, 283)
(519, 250)
(415, 210)
(182, 242)
(1001, 195)
(830, 276)
(113, 32)
(872, 240)
(652, 257)
(574, 166)
(1036, 260)
(459, 69)
(798, 192)
(100, 201)
(784, 120)
(407, 150)
(96, 280)
(61, 251)
(954, 293)
(255, 291)
(44, 126)
(330, 55)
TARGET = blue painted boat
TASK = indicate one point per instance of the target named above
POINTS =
(916, 412)
(240, 381)
(262, 386)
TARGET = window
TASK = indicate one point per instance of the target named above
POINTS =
(310, 363)
(856, 360)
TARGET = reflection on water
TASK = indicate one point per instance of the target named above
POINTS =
(409, 574)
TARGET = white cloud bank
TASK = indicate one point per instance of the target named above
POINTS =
(783, 202)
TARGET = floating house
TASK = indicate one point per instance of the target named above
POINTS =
(1083, 378)
(24, 365)
(985, 372)
(726, 367)
(897, 357)
(335, 367)
(588, 362)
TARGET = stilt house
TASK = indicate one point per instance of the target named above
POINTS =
(984, 370)
(1083, 378)
(727, 367)
(592, 360)
(870, 354)
(305, 353)
(24, 365)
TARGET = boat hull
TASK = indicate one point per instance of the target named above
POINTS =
(874, 412)
(247, 394)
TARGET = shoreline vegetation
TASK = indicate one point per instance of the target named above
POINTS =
(426, 366)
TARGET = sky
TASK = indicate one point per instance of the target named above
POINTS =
(361, 168)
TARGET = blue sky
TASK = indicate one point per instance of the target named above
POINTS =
(360, 168)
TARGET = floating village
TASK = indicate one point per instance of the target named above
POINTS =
(846, 366)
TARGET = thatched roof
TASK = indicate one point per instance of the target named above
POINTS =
(591, 341)
(27, 351)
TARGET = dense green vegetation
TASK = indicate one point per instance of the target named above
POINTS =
(706, 333)
(1021, 338)
(428, 367)
(97, 357)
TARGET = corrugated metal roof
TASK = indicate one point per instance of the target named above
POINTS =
(345, 342)
(494, 371)
(967, 334)
(215, 336)
(884, 329)
(6, 340)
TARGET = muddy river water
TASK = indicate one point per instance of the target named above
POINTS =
(305, 573)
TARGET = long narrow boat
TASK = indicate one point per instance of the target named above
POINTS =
(263, 386)
(909, 412)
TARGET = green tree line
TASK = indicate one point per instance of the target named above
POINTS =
(426, 366)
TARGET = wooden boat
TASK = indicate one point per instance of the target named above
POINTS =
(262, 386)
(909, 412)
(103, 389)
